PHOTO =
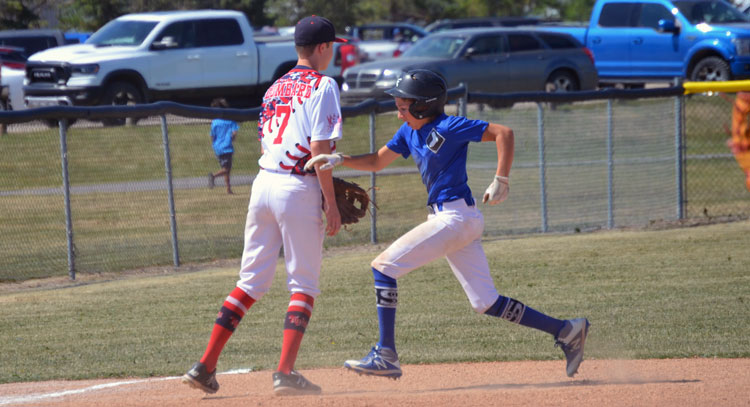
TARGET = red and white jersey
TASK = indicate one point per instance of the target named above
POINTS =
(300, 107)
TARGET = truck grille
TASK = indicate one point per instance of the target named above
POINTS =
(47, 73)
(363, 80)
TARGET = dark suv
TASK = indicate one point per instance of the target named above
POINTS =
(32, 41)
(492, 60)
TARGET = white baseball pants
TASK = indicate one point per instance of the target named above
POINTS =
(454, 232)
(284, 209)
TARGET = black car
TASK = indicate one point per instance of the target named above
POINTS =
(32, 41)
(474, 22)
(494, 60)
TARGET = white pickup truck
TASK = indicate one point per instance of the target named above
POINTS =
(184, 56)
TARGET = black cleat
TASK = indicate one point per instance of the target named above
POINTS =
(198, 378)
(292, 384)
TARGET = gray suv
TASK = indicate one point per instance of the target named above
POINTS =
(493, 60)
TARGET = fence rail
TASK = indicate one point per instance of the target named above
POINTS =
(584, 160)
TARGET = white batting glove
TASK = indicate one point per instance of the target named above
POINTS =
(329, 160)
(497, 191)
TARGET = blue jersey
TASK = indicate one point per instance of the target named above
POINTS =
(439, 149)
(221, 136)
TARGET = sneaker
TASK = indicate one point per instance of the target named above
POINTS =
(210, 181)
(379, 362)
(292, 384)
(571, 339)
(198, 378)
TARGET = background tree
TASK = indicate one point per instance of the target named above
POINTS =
(18, 14)
(90, 15)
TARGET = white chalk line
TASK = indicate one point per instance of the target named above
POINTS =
(4, 401)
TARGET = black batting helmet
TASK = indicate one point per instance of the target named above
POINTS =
(427, 88)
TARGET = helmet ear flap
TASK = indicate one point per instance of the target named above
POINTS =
(419, 109)
(422, 108)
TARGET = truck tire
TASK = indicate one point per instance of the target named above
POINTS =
(561, 81)
(711, 69)
(121, 94)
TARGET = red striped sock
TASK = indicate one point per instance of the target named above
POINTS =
(295, 322)
(234, 308)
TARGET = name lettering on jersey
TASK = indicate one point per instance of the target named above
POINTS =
(434, 141)
(289, 89)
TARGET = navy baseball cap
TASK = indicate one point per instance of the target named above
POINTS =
(314, 30)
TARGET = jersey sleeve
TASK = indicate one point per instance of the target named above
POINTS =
(398, 143)
(467, 129)
(325, 120)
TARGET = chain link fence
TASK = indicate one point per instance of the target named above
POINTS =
(138, 195)
(714, 180)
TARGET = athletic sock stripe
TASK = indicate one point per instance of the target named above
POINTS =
(241, 296)
(301, 304)
(240, 306)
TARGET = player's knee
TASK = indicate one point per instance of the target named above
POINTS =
(377, 263)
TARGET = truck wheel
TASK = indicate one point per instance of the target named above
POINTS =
(711, 69)
(121, 94)
(561, 81)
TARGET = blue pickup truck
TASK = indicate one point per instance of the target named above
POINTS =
(637, 41)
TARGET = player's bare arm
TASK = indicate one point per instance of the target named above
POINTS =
(372, 162)
(325, 178)
(504, 140)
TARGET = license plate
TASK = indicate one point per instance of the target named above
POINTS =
(43, 102)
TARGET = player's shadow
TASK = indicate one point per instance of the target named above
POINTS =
(581, 383)
(516, 386)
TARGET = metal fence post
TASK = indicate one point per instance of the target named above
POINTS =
(464, 101)
(679, 153)
(610, 169)
(542, 165)
(170, 192)
(373, 184)
(63, 126)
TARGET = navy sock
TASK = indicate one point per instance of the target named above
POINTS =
(386, 291)
(515, 311)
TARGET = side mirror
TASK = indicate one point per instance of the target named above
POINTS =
(667, 26)
(471, 52)
(165, 43)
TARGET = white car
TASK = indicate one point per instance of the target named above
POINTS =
(13, 79)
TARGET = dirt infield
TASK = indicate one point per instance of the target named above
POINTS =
(664, 383)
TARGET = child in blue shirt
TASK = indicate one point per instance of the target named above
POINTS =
(223, 133)
(438, 143)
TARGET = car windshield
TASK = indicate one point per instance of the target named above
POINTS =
(436, 47)
(122, 32)
(710, 12)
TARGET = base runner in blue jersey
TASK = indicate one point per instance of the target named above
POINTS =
(453, 229)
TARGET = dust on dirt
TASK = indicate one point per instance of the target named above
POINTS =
(662, 382)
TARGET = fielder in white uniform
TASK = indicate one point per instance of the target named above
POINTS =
(301, 117)
(453, 229)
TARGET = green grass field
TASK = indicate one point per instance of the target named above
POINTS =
(649, 294)
(120, 224)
